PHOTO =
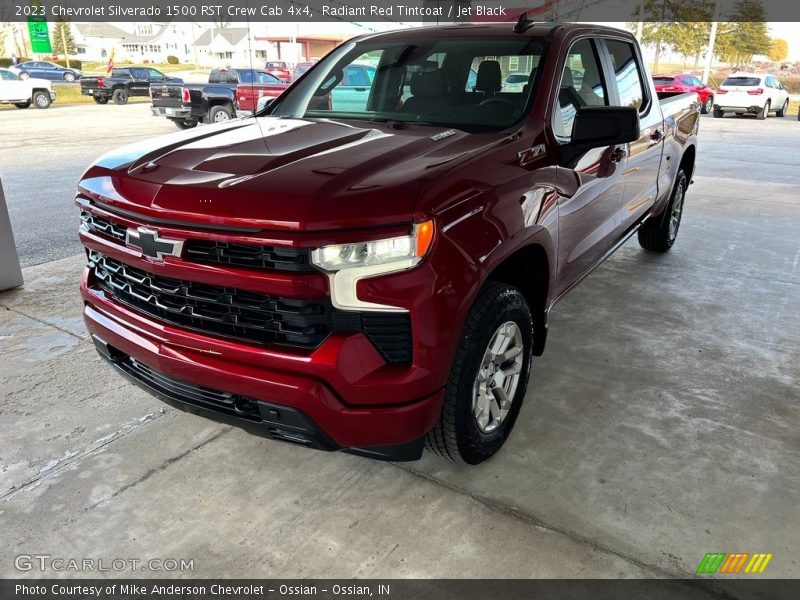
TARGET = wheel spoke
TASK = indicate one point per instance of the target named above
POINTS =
(501, 397)
(506, 356)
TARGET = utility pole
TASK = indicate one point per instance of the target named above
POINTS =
(712, 40)
(64, 42)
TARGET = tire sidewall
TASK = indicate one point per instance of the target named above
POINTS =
(474, 445)
(680, 181)
(216, 110)
(45, 103)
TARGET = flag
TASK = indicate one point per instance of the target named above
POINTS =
(110, 61)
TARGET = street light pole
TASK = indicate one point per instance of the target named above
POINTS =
(712, 40)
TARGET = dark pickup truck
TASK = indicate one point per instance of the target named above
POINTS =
(124, 83)
(217, 101)
(378, 277)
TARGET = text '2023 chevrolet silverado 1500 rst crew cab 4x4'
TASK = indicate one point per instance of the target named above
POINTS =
(379, 277)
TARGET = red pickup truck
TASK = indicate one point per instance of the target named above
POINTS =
(376, 275)
(249, 94)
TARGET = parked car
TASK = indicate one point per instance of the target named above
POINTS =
(753, 93)
(684, 82)
(22, 92)
(351, 91)
(43, 69)
(217, 101)
(123, 83)
(379, 278)
(279, 69)
(301, 68)
(515, 82)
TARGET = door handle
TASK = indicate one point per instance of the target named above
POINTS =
(617, 154)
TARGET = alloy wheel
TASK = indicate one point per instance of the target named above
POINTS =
(498, 377)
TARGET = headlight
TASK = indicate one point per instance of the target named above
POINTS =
(346, 264)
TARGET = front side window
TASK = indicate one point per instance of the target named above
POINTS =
(627, 74)
(453, 81)
(581, 85)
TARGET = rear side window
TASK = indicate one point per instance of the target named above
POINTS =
(627, 74)
(742, 81)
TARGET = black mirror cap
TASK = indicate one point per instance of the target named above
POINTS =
(596, 126)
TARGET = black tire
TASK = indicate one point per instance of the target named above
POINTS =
(23, 105)
(763, 113)
(457, 435)
(783, 109)
(41, 99)
(658, 233)
(69, 77)
(708, 105)
(184, 124)
(718, 114)
(120, 97)
(219, 114)
(100, 99)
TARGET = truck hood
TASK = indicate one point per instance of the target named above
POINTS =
(282, 174)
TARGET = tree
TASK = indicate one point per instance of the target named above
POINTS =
(778, 50)
(744, 35)
(62, 40)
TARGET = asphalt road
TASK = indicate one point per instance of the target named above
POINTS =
(44, 152)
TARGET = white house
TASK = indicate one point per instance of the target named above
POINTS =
(135, 42)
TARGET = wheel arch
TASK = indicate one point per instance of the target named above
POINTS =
(688, 161)
(528, 270)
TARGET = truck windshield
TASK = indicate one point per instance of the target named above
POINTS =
(451, 81)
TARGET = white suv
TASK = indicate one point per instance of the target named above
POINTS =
(24, 92)
(742, 93)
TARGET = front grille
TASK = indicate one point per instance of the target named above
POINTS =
(265, 258)
(99, 225)
(224, 311)
(245, 255)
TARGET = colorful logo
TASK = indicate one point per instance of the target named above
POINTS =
(735, 562)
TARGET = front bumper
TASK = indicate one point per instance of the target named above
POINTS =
(383, 431)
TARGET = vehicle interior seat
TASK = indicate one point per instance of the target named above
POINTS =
(490, 78)
(567, 94)
(428, 93)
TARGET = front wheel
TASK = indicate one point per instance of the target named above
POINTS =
(100, 99)
(708, 105)
(69, 77)
(24, 76)
(489, 377)
(120, 97)
(41, 99)
(658, 233)
(783, 109)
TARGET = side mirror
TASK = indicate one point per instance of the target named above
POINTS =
(598, 126)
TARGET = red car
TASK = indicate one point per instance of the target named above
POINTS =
(279, 69)
(685, 82)
(373, 271)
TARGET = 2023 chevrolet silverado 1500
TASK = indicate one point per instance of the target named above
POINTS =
(373, 278)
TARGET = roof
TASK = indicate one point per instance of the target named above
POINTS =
(233, 35)
(100, 30)
(492, 30)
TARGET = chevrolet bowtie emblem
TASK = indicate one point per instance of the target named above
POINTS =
(151, 245)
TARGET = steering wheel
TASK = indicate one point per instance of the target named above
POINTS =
(500, 101)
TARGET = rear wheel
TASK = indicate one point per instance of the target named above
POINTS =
(41, 99)
(489, 377)
(718, 112)
(763, 113)
(100, 99)
(184, 124)
(658, 233)
(708, 105)
(219, 114)
(783, 109)
(23, 104)
(120, 97)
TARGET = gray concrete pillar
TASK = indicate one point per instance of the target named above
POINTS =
(10, 272)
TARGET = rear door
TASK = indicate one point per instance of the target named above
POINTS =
(643, 156)
(12, 88)
(589, 217)
(778, 95)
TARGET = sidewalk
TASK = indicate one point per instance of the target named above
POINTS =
(94, 467)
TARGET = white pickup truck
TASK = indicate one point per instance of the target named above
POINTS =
(24, 92)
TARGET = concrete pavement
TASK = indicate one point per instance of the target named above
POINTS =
(661, 423)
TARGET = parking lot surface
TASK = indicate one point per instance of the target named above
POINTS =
(660, 424)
